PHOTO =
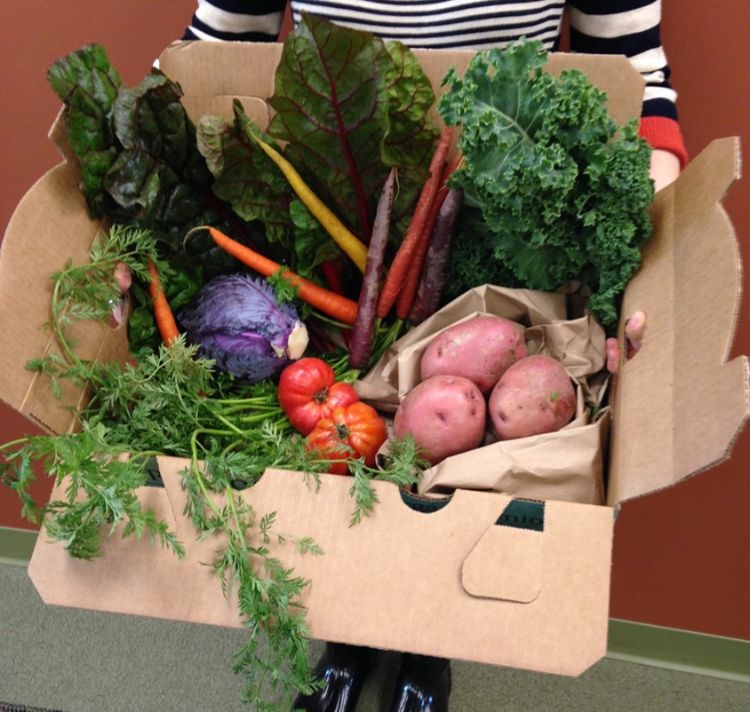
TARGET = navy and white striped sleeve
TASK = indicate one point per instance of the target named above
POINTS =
(633, 28)
(256, 21)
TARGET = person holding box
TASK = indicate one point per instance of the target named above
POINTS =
(624, 27)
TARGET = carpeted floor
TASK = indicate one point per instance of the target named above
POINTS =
(69, 660)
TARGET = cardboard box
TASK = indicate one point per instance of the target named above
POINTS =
(456, 582)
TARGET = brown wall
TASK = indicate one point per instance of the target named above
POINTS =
(681, 556)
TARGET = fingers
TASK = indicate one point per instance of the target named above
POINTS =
(124, 279)
(123, 276)
(613, 355)
(665, 167)
(635, 330)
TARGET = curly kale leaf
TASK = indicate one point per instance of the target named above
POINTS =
(562, 192)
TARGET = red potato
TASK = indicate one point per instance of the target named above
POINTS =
(444, 414)
(480, 349)
(535, 395)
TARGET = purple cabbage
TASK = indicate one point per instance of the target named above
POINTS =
(237, 322)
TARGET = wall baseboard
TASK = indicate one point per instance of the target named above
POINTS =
(629, 641)
(16, 545)
(682, 650)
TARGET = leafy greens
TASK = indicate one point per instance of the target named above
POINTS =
(140, 166)
(562, 195)
(347, 107)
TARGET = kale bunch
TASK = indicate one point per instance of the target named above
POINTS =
(554, 191)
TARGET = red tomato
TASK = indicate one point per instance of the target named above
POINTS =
(355, 431)
(308, 392)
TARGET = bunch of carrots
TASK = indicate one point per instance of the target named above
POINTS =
(413, 281)
(414, 278)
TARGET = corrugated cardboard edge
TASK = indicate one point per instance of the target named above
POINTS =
(694, 400)
(441, 606)
(247, 69)
(54, 206)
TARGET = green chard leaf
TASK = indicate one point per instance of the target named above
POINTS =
(563, 194)
(88, 85)
(88, 70)
(159, 176)
(411, 134)
(140, 163)
(331, 106)
(245, 177)
(312, 244)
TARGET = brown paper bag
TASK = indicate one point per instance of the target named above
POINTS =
(565, 465)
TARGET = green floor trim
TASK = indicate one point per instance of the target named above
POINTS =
(16, 545)
(682, 650)
(641, 643)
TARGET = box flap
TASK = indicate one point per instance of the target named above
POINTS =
(49, 226)
(206, 70)
(394, 581)
(686, 403)
(506, 563)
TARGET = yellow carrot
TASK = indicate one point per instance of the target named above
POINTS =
(354, 248)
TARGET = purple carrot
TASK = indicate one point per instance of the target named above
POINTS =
(433, 273)
(360, 344)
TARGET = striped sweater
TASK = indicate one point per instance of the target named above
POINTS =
(629, 27)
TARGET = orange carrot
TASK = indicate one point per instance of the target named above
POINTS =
(411, 281)
(330, 303)
(163, 315)
(396, 274)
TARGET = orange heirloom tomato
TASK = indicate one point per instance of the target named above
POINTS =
(355, 431)
(308, 392)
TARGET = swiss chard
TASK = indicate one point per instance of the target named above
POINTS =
(139, 159)
(347, 107)
(351, 106)
(330, 105)
(244, 176)
(88, 85)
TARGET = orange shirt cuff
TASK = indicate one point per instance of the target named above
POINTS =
(664, 133)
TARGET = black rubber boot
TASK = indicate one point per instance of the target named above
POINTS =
(423, 684)
(344, 669)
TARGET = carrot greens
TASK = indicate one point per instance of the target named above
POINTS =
(170, 401)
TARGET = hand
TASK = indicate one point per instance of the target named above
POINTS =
(665, 167)
(635, 328)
